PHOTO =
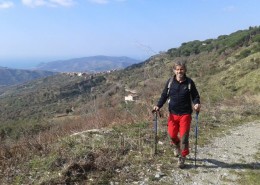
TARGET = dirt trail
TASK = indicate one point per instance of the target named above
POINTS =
(218, 163)
(221, 161)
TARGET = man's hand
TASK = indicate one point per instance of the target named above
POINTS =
(197, 107)
(156, 108)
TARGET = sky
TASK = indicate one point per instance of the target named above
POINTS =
(34, 31)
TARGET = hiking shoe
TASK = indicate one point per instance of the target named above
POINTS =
(176, 150)
(181, 162)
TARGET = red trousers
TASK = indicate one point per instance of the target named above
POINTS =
(180, 124)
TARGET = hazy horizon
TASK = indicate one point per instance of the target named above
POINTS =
(30, 63)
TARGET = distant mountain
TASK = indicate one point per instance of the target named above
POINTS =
(88, 64)
(16, 76)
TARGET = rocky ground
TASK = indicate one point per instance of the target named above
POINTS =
(222, 161)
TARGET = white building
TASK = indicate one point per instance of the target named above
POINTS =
(131, 97)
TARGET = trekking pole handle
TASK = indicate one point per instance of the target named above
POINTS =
(157, 112)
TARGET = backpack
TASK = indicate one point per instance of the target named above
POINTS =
(170, 83)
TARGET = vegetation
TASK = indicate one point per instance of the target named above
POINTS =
(222, 45)
(17, 76)
(38, 118)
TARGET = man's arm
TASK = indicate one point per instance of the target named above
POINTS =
(195, 97)
(163, 98)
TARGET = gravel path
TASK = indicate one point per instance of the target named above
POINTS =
(221, 161)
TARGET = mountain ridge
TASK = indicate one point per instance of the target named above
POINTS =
(91, 64)
(11, 76)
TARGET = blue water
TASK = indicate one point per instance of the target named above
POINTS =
(21, 63)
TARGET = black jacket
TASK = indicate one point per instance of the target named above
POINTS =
(180, 96)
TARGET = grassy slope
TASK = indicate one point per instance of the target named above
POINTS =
(17, 76)
(230, 95)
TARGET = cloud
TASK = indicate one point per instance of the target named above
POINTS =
(229, 9)
(6, 4)
(104, 1)
(63, 2)
(50, 3)
(99, 1)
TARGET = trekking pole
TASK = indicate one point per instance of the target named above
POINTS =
(196, 136)
(155, 123)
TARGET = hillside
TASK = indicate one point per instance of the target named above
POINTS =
(38, 118)
(88, 64)
(18, 76)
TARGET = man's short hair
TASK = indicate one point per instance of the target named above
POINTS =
(180, 63)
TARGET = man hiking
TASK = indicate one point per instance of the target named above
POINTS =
(181, 92)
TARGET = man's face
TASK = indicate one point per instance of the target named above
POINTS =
(179, 71)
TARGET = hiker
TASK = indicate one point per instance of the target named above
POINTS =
(181, 93)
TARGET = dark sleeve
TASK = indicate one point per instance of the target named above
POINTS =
(194, 94)
(164, 95)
